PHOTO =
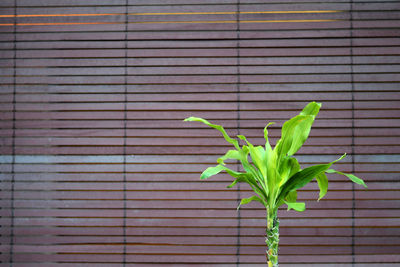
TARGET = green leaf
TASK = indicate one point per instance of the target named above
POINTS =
(288, 167)
(231, 154)
(256, 154)
(291, 196)
(217, 127)
(294, 133)
(242, 177)
(352, 177)
(304, 176)
(266, 133)
(237, 180)
(312, 108)
(250, 199)
(296, 130)
(210, 171)
(322, 184)
(298, 206)
(272, 175)
(248, 178)
(291, 199)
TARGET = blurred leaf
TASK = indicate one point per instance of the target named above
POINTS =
(352, 177)
(322, 184)
(217, 127)
(298, 206)
(250, 199)
(210, 171)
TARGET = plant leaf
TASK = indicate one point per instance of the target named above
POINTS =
(312, 108)
(296, 130)
(217, 127)
(298, 206)
(257, 154)
(266, 133)
(304, 176)
(210, 171)
(288, 167)
(250, 199)
(322, 184)
(291, 199)
(248, 178)
(294, 133)
(242, 177)
(352, 177)
(231, 154)
(291, 196)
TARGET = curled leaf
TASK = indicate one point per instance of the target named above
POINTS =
(297, 206)
(322, 184)
(250, 199)
(352, 177)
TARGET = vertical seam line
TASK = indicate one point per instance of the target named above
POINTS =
(238, 122)
(11, 260)
(125, 131)
(353, 260)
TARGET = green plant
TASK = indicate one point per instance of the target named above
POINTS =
(274, 174)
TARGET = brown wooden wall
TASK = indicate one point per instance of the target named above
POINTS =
(98, 169)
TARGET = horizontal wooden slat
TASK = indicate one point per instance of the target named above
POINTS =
(98, 169)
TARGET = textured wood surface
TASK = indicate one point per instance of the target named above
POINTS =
(98, 169)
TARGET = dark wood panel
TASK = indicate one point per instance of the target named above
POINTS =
(88, 92)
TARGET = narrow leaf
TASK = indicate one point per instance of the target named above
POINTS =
(352, 177)
(210, 171)
(231, 154)
(322, 184)
(250, 199)
(243, 177)
(218, 127)
(266, 132)
(237, 180)
(304, 176)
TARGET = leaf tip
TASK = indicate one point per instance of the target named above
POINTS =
(189, 119)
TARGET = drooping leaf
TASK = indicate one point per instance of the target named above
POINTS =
(352, 177)
(231, 154)
(237, 180)
(250, 199)
(297, 206)
(305, 176)
(291, 196)
(217, 127)
(322, 184)
(291, 199)
(210, 171)
(249, 179)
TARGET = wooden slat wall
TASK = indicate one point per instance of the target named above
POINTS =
(98, 169)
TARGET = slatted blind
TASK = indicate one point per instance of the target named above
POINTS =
(98, 169)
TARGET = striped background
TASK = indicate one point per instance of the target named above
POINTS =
(98, 169)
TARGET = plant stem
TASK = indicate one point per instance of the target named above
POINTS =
(272, 241)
